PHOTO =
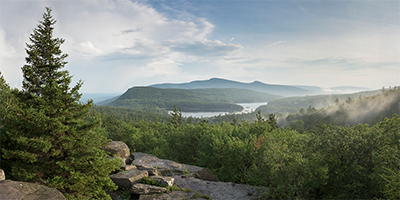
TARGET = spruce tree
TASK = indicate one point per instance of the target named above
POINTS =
(47, 136)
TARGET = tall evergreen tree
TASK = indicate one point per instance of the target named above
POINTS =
(47, 137)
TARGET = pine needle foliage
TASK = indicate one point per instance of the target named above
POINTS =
(45, 133)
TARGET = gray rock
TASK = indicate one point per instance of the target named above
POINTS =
(174, 195)
(141, 189)
(2, 175)
(205, 174)
(119, 149)
(166, 167)
(152, 171)
(125, 179)
(163, 180)
(28, 191)
(128, 160)
(128, 167)
(219, 190)
(115, 195)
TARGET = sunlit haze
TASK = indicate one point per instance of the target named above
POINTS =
(117, 44)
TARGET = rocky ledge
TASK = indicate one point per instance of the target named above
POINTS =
(197, 182)
(186, 181)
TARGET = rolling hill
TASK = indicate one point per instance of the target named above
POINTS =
(209, 99)
(282, 90)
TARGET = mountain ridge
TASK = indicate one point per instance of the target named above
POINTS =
(282, 90)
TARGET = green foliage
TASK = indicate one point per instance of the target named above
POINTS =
(195, 100)
(326, 161)
(176, 117)
(45, 135)
(363, 110)
(129, 114)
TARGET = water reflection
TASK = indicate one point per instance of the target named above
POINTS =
(248, 108)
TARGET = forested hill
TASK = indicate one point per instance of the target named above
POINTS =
(293, 104)
(363, 110)
(282, 90)
(200, 100)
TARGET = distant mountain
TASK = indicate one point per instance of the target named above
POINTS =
(98, 97)
(282, 90)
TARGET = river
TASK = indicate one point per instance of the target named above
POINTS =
(248, 108)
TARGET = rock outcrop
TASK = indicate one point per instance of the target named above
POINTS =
(141, 189)
(28, 191)
(118, 149)
(219, 190)
(196, 181)
(206, 174)
(165, 167)
(174, 195)
(126, 179)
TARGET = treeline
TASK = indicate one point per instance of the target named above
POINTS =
(368, 110)
(326, 161)
(195, 100)
(128, 114)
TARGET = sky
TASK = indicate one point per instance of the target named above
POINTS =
(117, 44)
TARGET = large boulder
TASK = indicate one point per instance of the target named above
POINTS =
(165, 167)
(118, 149)
(219, 190)
(2, 175)
(205, 174)
(28, 191)
(126, 179)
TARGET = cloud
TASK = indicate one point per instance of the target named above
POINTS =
(88, 48)
(275, 43)
(6, 49)
(138, 29)
(342, 62)
(203, 47)
(232, 39)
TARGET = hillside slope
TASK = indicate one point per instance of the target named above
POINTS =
(293, 104)
(211, 99)
(351, 111)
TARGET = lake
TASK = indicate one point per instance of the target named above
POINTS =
(248, 108)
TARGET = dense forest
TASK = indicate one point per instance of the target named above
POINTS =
(48, 136)
(325, 161)
(368, 110)
(194, 100)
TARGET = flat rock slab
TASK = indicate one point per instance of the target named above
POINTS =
(219, 190)
(166, 167)
(174, 195)
(28, 191)
(141, 189)
(125, 179)
(152, 171)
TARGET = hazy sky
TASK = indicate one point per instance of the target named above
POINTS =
(117, 44)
